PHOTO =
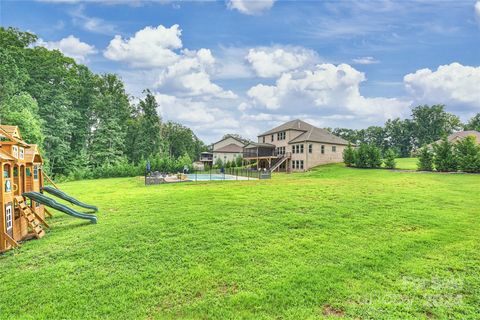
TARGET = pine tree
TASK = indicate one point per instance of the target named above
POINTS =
(349, 156)
(149, 140)
(467, 153)
(425, 159)
(444, 158)
(389, 160)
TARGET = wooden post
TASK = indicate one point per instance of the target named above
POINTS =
(50, 180)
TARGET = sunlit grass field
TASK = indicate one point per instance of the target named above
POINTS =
(331, 243)
(406, 163)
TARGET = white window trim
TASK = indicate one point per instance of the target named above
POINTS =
(15, 152)
(22, 153)
(9, 216)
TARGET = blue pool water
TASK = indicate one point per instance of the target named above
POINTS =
(215, 176)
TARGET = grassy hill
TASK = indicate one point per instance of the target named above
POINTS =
(335, 242)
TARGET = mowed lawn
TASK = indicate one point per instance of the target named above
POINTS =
(332, 243)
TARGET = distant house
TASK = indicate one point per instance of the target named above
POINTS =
(295, 146)
(227, 149)
(456, 136)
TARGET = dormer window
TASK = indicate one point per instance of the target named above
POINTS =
(15, 152)
(22, 153)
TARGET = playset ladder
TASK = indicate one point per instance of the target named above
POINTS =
(34, 221)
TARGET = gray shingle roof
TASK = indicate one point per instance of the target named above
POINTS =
(296, 124)
(233, 148)
(310, 133)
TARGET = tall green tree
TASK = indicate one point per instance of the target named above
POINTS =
(467, 153)
(444, 158)
(431, 123)
(150, 123)
(473, 123)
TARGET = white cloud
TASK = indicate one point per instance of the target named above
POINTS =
(92, 24)
(149, 47)
(273, 61)
(250, 7)
(477, 10)
(190, 76)
(365, 60)
(454, 85)
(70, 46)
(325, 90)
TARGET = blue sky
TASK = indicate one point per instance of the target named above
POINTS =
(244, 66)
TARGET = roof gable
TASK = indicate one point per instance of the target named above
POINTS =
(296, 124)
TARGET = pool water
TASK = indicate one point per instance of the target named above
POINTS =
(215, 176)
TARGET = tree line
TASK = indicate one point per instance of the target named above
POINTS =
(426, 125)
(83, 122)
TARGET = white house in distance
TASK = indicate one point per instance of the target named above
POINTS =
(227, 149)
(295, 146)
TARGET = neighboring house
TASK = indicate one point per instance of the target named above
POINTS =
(227, 149)
(456, 136)
(295, 146)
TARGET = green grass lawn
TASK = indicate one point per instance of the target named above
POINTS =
(332, 243)
(407, 163)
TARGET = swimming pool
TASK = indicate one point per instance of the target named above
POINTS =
(216, 176)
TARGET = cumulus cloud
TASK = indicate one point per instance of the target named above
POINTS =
(273, 61)
(190, 76)
(365, 60)
(149, 47)
(70, 46)
(453, 84)
(327, 90)
(250, 7)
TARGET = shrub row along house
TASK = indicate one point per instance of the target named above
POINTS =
(292, 146)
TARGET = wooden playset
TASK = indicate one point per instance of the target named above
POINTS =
(22, 206)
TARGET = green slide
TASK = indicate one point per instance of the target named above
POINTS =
(72, 200)
(40, 198)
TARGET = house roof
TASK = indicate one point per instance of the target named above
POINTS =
(460, 135)
(256, 145)
(296, 124)
(233, 148)
(12, 133)
(464, 134)
(5, 156)
(32, 154)
(310, 133)
(315, 134)
(229, 136)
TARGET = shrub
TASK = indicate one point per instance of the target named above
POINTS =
(361, 156)
(444, 158)
(467, 154)
(425, 159)
(218, 163)
(389, 160)
(239, 161)
(374, 159)
(349, 156)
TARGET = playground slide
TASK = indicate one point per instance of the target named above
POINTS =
(72, 200)
(40, 198)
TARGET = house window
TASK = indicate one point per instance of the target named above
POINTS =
(22, 153)
(301, 148)
(334, 148)
(8, 216)
(301, 164)
(15, 171)
(294, 163)
(29, 172)
(15, 151)
(272, 137)
(35, 172)
(322, 149)
(263, 139)
(6, 171)
(281, 135)
(310, 148)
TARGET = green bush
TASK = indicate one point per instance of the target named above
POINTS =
(361, 156)
(467, 154)
(349, 156)
(374, 159)
(444, 158)
(389, 160)
(425, 159)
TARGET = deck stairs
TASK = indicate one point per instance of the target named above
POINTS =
(278, 162)
(34, 221)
